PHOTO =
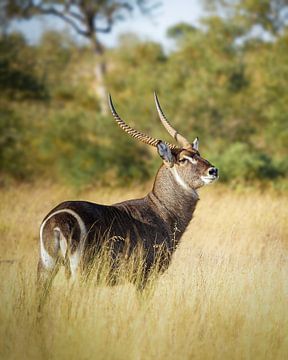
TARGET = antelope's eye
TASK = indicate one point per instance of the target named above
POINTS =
(183, 161)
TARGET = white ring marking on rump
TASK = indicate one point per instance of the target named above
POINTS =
(48, 260)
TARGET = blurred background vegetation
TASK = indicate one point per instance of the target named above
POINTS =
(224, 80)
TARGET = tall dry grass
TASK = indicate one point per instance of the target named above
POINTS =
(225, 295)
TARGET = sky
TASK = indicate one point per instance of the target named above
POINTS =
(147, 27)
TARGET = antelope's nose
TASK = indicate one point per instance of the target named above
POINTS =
(213, 171)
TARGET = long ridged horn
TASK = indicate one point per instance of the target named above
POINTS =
(174, 133)
(132, 132)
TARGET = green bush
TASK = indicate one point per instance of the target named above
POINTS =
(241, 162)
(76, 150)
(233, 96)
(13, 146)
(18, 76)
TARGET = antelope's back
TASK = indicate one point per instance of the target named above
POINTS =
(125, 224)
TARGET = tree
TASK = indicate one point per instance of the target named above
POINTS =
(88, 18)
(180, 31)
(18, 70)
(271, 15)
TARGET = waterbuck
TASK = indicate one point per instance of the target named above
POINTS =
(75, 231)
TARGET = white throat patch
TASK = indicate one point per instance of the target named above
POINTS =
(181, 182)
(178, 179)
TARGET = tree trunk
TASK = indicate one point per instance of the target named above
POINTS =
(100, 72)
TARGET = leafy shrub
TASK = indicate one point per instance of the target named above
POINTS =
(75, 148)
(241, 162)
(18, 76)
(13, 160)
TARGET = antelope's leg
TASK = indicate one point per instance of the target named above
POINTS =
(49, 263)
(74, 261)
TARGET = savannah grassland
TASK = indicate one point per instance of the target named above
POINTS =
(225, 295)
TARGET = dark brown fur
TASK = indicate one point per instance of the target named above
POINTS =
(154, 222)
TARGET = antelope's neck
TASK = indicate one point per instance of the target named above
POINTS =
(175, 203)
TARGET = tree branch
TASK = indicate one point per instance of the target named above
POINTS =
(108, 27)
(76, 16)
(104, 30)
(39, 10)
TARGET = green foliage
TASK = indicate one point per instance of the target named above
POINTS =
(271, 15)
(240, 163)
(231, 94)
(180, 31)
(13, 159)
(18, 78)
(76, 150)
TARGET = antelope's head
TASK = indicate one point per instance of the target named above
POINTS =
(189, 169)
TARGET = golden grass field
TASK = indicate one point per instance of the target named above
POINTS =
(225, 295)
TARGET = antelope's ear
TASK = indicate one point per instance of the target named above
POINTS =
(165, 153)
(195, 143)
